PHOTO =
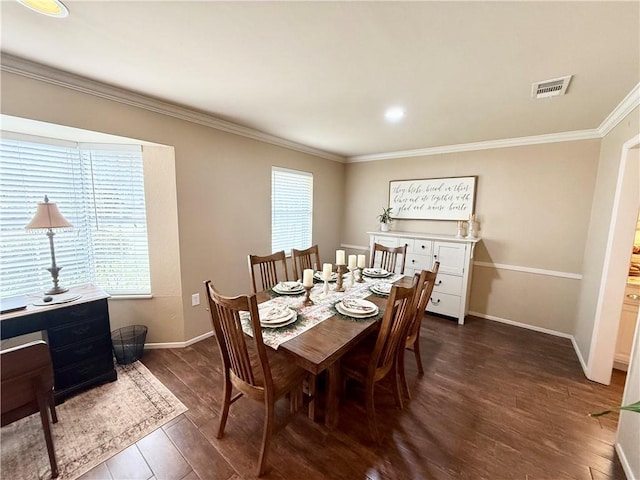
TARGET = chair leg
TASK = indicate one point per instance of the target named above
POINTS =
(312, 385)
(416, 351)
(52, 407)
(402, 374)
(48, 437)
(269, 417)
(224, 410)
(371, 412)
(397, 389)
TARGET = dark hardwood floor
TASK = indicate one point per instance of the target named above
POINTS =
(495, 402)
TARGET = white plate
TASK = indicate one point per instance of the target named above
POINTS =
(318, 276)
(382, 288)
(273, 313)
(288, 321)
(288, 288)
(341, 310)
(376, 272)
(358, 306)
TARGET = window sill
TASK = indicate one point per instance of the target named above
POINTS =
(131, 297)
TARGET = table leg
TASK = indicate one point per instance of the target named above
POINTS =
(333, 395)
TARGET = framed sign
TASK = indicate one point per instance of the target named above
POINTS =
(451, 198)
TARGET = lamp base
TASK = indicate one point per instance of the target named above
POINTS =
(56, 290)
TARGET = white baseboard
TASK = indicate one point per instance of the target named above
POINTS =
(548, 331)
(625, 463)
(152, 346)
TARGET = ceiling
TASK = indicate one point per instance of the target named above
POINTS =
(321, 74)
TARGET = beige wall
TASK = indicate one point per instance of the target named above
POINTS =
(222, 191)
(533, 203)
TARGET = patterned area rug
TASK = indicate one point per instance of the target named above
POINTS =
(92, 426)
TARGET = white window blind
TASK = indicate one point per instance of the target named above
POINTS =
(291, 209)
(99, 189)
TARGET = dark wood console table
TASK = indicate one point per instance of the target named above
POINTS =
(79, 338)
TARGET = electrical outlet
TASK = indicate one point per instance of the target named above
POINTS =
(195, 299)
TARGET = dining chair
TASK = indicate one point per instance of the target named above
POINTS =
(388, 257)
(259, 373)
(26, 387)
(425, 282)
(375, 359)
(304, 259)
(271, 268)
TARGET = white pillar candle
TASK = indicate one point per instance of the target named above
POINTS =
(307, 278)
(352, 262)
(340, 257)
(361, 261)
(326, 271)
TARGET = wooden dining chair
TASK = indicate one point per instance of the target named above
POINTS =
(388, 257)
(272, 269)
(374, 359)
(304, 259)
(425, 282)
(26, 387)
(253, 370)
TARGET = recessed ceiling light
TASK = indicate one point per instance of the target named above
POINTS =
(52, 8)
(394, 114)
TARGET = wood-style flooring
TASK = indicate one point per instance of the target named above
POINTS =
(495, 402)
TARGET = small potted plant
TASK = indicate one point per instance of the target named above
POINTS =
(385, 219)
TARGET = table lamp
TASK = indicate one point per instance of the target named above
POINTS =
(48, 217)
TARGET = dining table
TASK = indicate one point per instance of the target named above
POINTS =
(321, 335)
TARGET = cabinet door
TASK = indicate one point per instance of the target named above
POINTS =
(451, 256)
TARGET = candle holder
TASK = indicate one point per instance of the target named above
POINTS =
(472, 229)
(341, 269)
(307, 296)
(351, 275)
(325, 288)
(360, 279)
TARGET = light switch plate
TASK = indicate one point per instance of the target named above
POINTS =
(195, 299)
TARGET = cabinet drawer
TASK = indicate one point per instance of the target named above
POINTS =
(418, 262)
(76, 313)
(420, 247)
(80, 351)
(75, 332)
(83, 371)
(387, 241)
(450, 284)
(444, 304)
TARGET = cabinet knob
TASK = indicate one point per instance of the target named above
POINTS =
(438, 283)
(413, 261)
(435, 256)
(422, 246)
(436, 302)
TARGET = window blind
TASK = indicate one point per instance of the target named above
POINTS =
(99, 189)
(291, 209)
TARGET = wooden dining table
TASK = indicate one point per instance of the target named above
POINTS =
(321, 347)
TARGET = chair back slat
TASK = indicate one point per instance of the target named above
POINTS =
(233, 342)
(304, 259)
(426, 280)
(393, 330)
(271, 269)
(391, 259)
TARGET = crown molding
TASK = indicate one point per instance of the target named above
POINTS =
(626, 106)
(26, 68)
(490, 144)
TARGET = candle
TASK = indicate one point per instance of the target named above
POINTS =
(352, 262)
(307, 278)
(339, 257)
(360, 261)
(326, 271)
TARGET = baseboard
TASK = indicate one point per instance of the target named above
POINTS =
(535, 328)
(625, 463)
(152, 346)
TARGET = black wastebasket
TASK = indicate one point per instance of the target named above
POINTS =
(128, 343)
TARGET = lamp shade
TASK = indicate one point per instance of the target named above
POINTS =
(47, 216)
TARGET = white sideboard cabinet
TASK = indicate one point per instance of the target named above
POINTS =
(450, 295)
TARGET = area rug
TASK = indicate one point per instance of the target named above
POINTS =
(92, 426)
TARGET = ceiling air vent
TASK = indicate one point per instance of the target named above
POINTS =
(550, 88)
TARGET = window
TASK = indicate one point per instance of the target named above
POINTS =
(99, 189)
(291, 209)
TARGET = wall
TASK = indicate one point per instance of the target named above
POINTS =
(222, 191)
(533, 204)
(599, 226)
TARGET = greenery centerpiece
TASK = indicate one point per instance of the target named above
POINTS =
(385, 219)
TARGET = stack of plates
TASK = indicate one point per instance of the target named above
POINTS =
(375, 272)
(289, 288)
(382, 288)
(318, 276)
(358, 308)
(274, 316)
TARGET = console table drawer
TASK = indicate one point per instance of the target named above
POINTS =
(81, 330)
(84, 371)
(451, 284)
(80, 351)
(444, 304)
(418, 262)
